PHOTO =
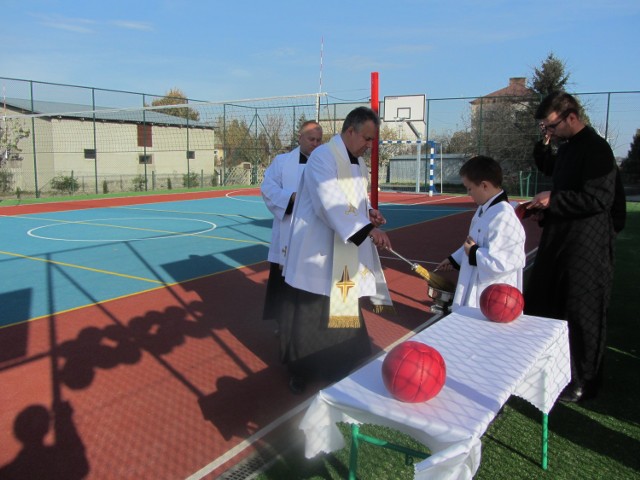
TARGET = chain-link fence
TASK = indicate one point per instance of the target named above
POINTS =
(61, 139)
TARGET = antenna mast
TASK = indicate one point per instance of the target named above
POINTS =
(320, 86)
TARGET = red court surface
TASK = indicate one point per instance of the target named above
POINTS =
(178, 382)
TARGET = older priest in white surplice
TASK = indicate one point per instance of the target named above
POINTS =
(278, 190)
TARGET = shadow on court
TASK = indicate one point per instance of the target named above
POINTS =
(163, 383)
(64, 459)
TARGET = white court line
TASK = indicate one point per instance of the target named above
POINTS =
(239, 197)
(167, 233)
(424, 202)
(216, 214)
(397, 205)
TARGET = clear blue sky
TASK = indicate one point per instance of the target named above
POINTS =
(214, 50)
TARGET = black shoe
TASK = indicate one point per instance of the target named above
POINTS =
(575, 392)
(571, 394)
(297, 385)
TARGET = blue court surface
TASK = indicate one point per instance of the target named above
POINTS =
(57, 261)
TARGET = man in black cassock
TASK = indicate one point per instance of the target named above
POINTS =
(572, 274)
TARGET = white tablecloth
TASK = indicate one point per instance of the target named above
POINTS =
(486, 363)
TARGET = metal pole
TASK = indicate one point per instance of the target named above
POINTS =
(606, 125)
(375, 106)
(214, 176)
(545, 441)
(431, 166)
(188, 163)
(144, 141)
(441, 171)
(224, 144)
(480, 129)
(33, 142)
(95, 143)
(418, 165)
(353, 454)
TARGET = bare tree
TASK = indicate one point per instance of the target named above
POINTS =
(11, 132)
(506, 131)
(388, 151)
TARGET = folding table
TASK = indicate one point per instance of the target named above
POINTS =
(486, 363)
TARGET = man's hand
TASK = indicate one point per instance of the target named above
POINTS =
(540, 201)
(379, 238)
(376, 217)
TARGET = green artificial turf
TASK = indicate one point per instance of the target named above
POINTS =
(596, 439)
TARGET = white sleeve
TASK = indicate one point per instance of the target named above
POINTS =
(330, 203)
(275, 196)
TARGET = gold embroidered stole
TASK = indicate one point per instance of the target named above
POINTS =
(343, 306)
(343, 310)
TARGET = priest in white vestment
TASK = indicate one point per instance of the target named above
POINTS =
(278, 191)
(493, 251)
(332, 260)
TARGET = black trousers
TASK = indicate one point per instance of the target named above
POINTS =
(309, 347)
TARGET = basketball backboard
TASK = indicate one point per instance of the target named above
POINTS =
(405, 108)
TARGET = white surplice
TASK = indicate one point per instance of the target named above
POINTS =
(281, 180)
(322, 209)
(500, 256)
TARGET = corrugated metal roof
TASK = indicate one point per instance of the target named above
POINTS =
(73, 110)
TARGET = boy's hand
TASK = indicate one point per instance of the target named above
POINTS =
(444, 266)
(468, 243)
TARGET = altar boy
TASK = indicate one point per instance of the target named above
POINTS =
(493, 251)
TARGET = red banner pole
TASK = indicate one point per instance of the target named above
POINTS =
(375, 106)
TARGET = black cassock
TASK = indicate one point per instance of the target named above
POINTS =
(573, 271)
(309, 347)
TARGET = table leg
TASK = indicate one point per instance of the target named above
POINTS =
(545, 440)
(353, 454)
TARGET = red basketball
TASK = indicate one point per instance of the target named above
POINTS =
(413, 372)
(501, 303)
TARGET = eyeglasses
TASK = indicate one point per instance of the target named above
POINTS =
(553, 126)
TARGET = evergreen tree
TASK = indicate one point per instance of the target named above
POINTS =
(551, 76)
(631, 164)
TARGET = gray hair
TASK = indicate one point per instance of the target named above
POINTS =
(358, 117)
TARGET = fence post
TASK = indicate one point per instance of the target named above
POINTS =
(33, 142)
(187, 153)
(144, 143)
(432, 153)
(95, 148)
